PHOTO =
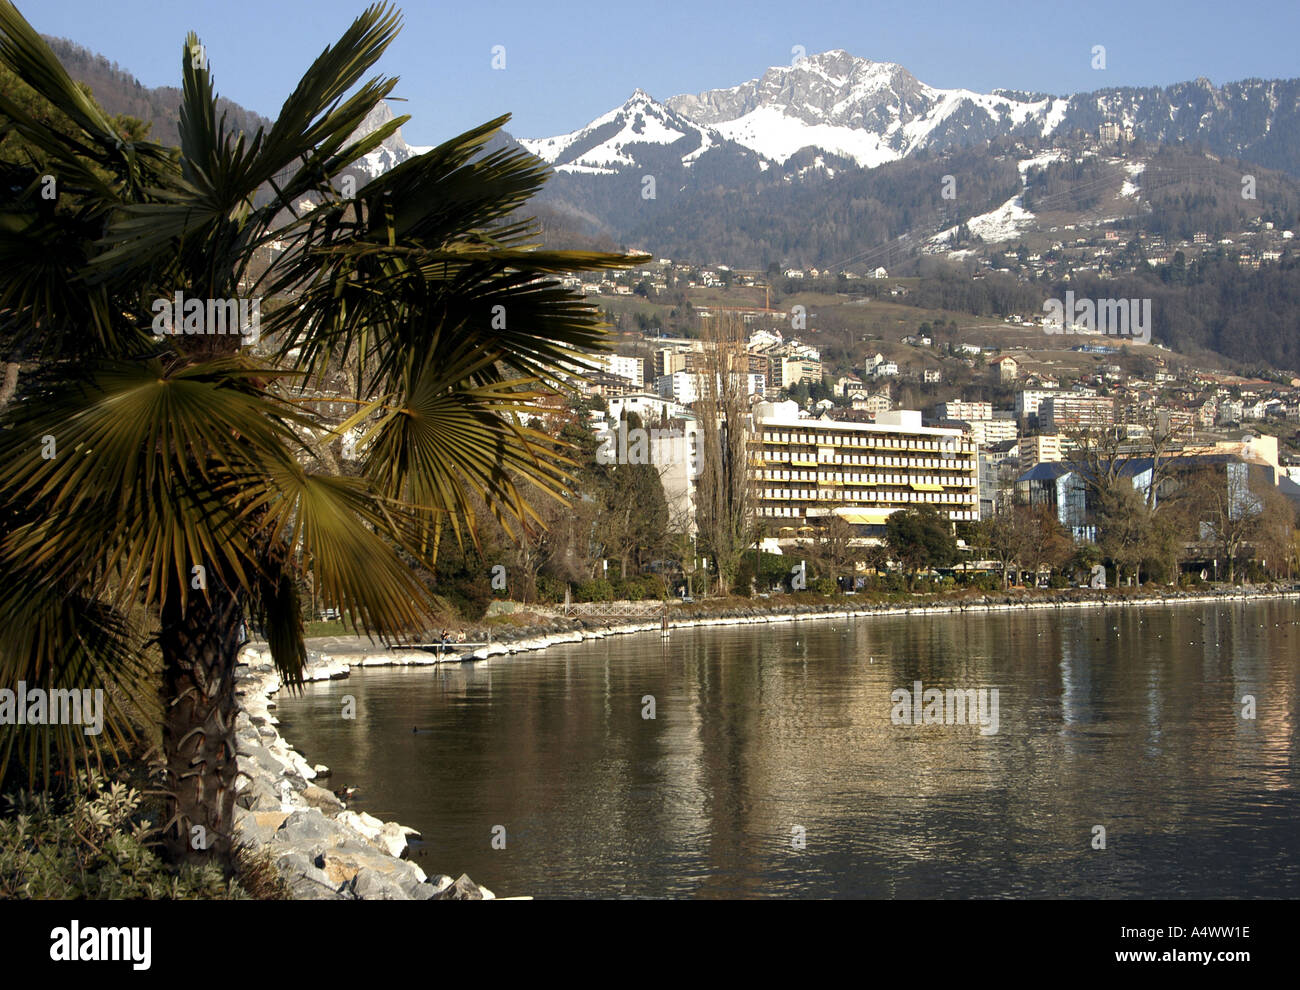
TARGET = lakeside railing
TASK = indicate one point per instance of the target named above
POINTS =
(615, 610)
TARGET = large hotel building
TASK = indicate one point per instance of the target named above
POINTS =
(808, 469)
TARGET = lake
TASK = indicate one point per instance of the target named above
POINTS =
(778, 764)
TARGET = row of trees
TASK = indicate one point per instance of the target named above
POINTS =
(613, 514)
(1182, 508)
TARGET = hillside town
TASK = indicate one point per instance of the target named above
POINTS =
(837, 444)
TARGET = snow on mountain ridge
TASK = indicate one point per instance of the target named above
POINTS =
(603, 144)
(392, 152)
(877, 112)
(872, 111)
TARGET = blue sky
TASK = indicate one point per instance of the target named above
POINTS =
(567, 62)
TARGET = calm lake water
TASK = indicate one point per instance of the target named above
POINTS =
(1128, 720)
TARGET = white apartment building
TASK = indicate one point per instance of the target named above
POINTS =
(1039, 449)
(1028, 401)
(968, 411)
(808, 469)
(651, 408)
(987, 432)
(631, 368)
(794, 370)
(680, 386)
(676, 459)
(1071, 411)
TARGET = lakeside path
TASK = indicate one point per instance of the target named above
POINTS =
(324, 851)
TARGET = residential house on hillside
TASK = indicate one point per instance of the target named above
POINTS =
(846, 385)
(875, 403)
(1007, 369)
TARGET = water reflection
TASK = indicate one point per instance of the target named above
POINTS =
(1129, 720)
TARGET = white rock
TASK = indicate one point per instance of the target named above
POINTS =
(391, 839)
(357, 823)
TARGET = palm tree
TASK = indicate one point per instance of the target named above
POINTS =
(174, 484)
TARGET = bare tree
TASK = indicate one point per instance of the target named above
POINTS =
(1043, 542)
(1001, 537)
(1275, 535)
(832, 549)
(1226, 509)
(1123, 527)
(723, 490)
(1128, 524)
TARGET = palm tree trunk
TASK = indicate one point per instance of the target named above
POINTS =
(10, 384)
(200, 646)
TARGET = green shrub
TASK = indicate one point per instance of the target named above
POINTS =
(824, 586)
(550, 590)
(647, 587)
(894, 582)
(598, 590)
(469, 594)
(984, 582)
(93, 844)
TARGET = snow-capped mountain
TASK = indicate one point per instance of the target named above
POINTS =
(822, 160)
(388, 155)
(870, 112)
(611, 142)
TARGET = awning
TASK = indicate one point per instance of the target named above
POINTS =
(867, 517)
(918, 486)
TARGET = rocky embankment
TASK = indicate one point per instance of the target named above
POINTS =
(322, 850)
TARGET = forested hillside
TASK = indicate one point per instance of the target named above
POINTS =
(751, 218)
(119, 92)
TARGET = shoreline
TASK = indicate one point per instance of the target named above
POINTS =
(320, 849)
(323, 851)
(537, 637)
